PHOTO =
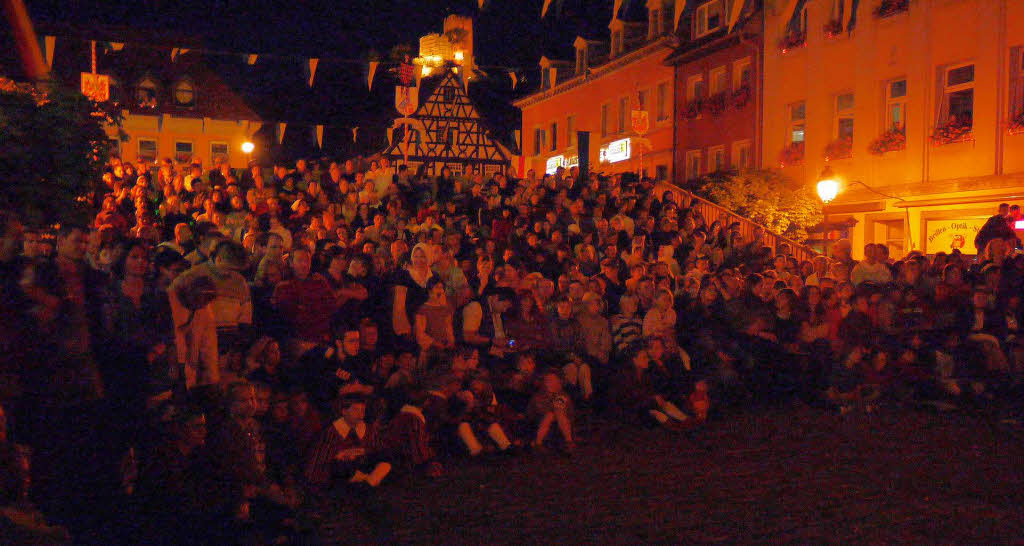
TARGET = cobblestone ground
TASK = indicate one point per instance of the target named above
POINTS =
(794, 475)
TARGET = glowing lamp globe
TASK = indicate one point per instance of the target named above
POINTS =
(248, 147)
(827, 190)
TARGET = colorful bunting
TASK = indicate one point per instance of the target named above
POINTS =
(680, 7)
(252, 59)
(49, 44)
(320, 136)
(734, 12)
(280, 131)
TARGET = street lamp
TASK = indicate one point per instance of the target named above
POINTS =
(828, 188)
(248, 147)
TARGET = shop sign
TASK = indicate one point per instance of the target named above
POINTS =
(948, 235)
(566, 162)
(619, 150)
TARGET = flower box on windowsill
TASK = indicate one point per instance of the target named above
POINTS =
(693, 109)
(840, 148)
(953, 132)
(892, 140)
(792, 155)
(715, 104)
(741, 97)
(1016, 125)
(792, 40)
(888, 8)
(832, 29)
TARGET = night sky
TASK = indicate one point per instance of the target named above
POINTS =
(509, 32)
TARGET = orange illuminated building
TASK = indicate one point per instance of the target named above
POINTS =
(613, 74)
(717, 88)
(916, 106)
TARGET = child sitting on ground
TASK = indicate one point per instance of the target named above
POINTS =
(552, 405)
(346, 449)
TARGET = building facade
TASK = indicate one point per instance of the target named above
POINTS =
(446, 130)
(608, 83)
(717, 89)
(914, 105)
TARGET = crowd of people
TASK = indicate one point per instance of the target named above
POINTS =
(219, 347)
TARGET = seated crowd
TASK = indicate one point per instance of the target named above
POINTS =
(219, 348)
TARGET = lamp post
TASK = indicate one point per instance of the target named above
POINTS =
(828, 188)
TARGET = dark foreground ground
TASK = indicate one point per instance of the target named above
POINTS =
(779, 475)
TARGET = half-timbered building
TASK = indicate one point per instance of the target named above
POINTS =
(446, 130)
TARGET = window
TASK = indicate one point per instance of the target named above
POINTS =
(185, 94)
(449, 94)
(545, 78)
(643, 99)
(654, 24)
(716, 159)
(662, 101)
(570, 131)
(183, 151)
(623, 114)
(797, 121)
(538, 141)
(719, 80)
(1017, 81)
(741, 155)
(896, 105)
(554, 137)
(145, 93)
(218, 150)
(844, 116)
(451, 137)
(147, 150)
(694, 88)
(891, 232)
(742, 74)
(661, 172)
(693, 158)
(604, 120)
(836, 13)
(958, 95)
(616, 43)
(581, 60)
(709, 18)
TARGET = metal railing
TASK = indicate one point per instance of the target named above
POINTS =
(749, 230)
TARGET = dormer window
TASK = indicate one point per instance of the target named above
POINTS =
(709, 17)
(616, 43)
(145, 93)
(654, 24)
(185, 94)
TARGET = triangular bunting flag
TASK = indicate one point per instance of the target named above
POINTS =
(50, 44)
(252, 59)
(320, 136)
(369, 76)
(117, 46)
(544, 9)
(515, 79)
(280, 131)
(734, 12)
(312, 69)
(680, 7)
(355, 131)
(616, 8)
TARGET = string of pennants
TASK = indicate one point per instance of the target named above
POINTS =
(48, 45)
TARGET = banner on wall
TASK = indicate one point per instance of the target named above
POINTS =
(948, 235)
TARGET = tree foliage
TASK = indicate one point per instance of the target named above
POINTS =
(53, 151)
(767, 198)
